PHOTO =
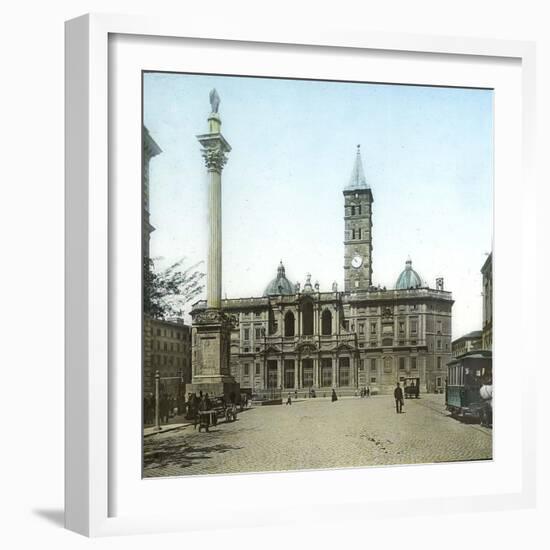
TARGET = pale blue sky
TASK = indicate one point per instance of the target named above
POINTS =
(427, 154)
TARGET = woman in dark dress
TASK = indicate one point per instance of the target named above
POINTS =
(334, 396)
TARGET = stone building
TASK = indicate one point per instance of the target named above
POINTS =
(166, 343)
(168, 350)
(150, 150)
(469, 342)
(487, 282)
(295, 338)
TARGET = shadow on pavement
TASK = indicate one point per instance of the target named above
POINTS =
(176, 453)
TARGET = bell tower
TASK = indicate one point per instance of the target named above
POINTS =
(358, 229)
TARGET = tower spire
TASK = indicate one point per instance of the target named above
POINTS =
(357, 179)
(358, 229)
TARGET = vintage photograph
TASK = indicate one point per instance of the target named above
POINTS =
(317, 274)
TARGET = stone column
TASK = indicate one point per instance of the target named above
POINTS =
(316, 362)
(214, 151)
(316, 330)
(211, 326)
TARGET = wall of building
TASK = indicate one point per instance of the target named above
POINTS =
(487, 282)
(167, 349)
(376, 338)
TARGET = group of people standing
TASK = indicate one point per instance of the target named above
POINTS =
(167, 407)
(195, 404)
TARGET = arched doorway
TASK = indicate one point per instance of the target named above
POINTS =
(307, 373)
(344, 371)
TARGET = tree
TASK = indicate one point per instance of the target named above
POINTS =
(166, 292)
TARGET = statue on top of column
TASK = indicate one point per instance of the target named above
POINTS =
(214, 100)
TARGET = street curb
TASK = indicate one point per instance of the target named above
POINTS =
(168, 428)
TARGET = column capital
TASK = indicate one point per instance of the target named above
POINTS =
(214, 159)
(214, 151)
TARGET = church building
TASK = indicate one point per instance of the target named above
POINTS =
(297, 338)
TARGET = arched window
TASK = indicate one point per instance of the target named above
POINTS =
(326, 322)
(289, 324)
(307, 318)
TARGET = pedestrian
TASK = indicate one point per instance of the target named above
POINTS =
(289, 399)
(334, 396)
(367, 391)
(165, 408)
(204, 406)
(195, 408)
(398, 395)
(145, 410)
(188, 407)
(153, 409)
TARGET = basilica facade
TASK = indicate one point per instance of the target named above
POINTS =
(296, 338)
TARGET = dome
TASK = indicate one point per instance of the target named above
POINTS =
(279, 285)
(409, 278)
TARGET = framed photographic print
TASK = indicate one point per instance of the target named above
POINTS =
(286, 260)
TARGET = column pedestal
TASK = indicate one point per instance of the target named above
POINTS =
(211, 368)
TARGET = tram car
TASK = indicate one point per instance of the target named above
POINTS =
(468, 391)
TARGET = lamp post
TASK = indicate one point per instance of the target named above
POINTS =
(157, 401)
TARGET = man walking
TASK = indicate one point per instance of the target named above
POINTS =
(398, 395)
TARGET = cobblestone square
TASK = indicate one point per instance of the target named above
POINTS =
(317, 434)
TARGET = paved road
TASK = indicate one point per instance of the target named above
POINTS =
(316, 433)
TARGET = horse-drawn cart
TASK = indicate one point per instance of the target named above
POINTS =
(218, 409)
(207, 419)
(412, 388)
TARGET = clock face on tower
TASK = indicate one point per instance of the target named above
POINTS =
(357, 261)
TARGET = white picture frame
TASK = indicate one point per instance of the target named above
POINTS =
(91, 396)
